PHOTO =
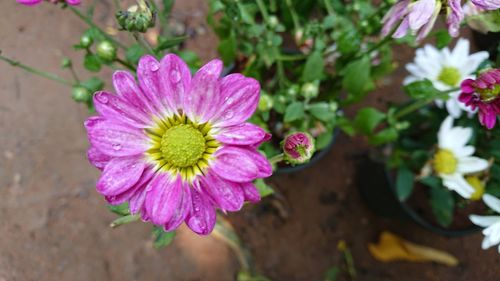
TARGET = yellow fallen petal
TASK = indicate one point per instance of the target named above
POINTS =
(392, 248)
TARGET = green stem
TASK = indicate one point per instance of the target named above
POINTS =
(126, 64)
(263, 10)
(284, 57)
(73, 73)
(145, 44)
(124, 220)
(32, 70)
(421, 103)
(93, 25)
(276, 159)
(329, 8)
(295, 17)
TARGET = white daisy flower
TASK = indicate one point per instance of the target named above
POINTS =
(453, 159)
(491, 224)
(446, 70)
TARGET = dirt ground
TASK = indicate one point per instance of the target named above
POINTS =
(54, 225)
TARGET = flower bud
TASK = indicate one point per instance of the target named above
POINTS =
(265, 103)
(66, 63)
(86, 41)
(138, 18)
(310, 90)
(80, 94)
(106, 51)
(273, 22)
(478, 186)
(298, 148)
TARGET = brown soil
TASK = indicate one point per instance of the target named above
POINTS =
(54, 226)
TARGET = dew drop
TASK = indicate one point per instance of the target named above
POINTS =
(175, 76)
(102, 98)
(116, 146)
(229, 100)
(229, 114)
(154, 66)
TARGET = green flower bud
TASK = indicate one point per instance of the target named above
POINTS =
(80, 94)
(265, 103)
(310, 90)
(334, 106)
(66, 63)
(86, 41)
(106, 51)
(138, 18)
(293, 91)
(273, 22)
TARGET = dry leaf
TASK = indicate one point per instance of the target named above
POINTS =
(392, 248)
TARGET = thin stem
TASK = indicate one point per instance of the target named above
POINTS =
(73, 73)
(124, 220)
(295, 18)
(421, 103)
(276, 159)
(329, 8)
(263, 10)
(32, 70)
(126, 64)
(145, 44)
(92, 24)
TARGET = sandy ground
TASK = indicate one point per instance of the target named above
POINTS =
(54, 225)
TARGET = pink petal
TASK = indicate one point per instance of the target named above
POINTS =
(73, 2)
(242, 134)
(468, 86)
(182, 212)
(250, 192)
(119, 175)
(139, 187)
(163, 198)
(149, 81)
(202, 216)
(97, 158)
(114, 108)
(203, 99)
(402, 29)
(264, 166)
(175, 80)
(235, 164)
(136, 202)
(239, 99)
(487, 117)
(227, 195)
(115, 139)
(420, 13)
(126, 88)
(29, 2)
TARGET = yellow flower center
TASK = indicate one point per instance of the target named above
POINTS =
(478, 186)
(180, 146)
(445, 162)
(489, 95)
(450, 76)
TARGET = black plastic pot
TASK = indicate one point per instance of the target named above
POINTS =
(316, 157)
(378, 191)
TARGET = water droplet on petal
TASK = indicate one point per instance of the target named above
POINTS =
(228, 114)
(116, 146)
(229, 100)
(175, 76)
(102, 98)
(154, 66)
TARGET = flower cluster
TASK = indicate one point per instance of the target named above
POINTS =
(483, 93)
(36, 2)
(176, 147)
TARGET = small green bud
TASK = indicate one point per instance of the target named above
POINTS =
(273, 22)
(293, 91)
(106, 51)
(334, 106)
(86, 41)
(265, 103)
(80, 94)
(138, 18)
(310, 90)
(66, 63)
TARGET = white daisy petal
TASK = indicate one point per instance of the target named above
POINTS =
(492, 202)
(464, 151)
(486, 243)
(484, 221)
(472, 63)
(444, 130)
(458, 184)
(471, 164)
(453, 108)
(460, 51)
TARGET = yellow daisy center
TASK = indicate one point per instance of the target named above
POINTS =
(445, 162)
(489, 95)
(450, 76)
(478, 186)
(181, 146)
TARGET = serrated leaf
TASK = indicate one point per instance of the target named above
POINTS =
(321, 111)
(162, 238)
(314, 67)
(404, 183)
(368, 119)
(294, 111)
(442, 205)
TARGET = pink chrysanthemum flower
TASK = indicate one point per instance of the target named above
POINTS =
(175, 146)
(483, 93)
(36, 2)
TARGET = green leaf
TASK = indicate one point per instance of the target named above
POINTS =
(443, 38)
(386, 135)
(431, 181)
(93, 84)
(121, 209)
(165, 43)
(167, 7)
(294, 111)
(227, 49)
(368, 119)
(357, 81)
(332, 273)
(442, 204)
(421, 89)
(162, 238)
(321, 111)
(92, 63)
(404, 183)
(324, 140)
(314, 67)
(264, 189)
(134, 53)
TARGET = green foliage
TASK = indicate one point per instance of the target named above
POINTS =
(162, 238)
(294, 111)
(357, 80)
(92, 62)
(368, 119)
(121, 209)
(321, 111)
(332, 274)
(442, 204)
(313, 69)
(264, 189)
(134, 53)
(421, 89)
(404, 183)
(443, 38)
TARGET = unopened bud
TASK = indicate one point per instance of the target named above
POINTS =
(310, 90)
(265, 103)
(66, 63)
(298, 148)
(86, 41)
(138, 18)
(106, 51)
(80, 94)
